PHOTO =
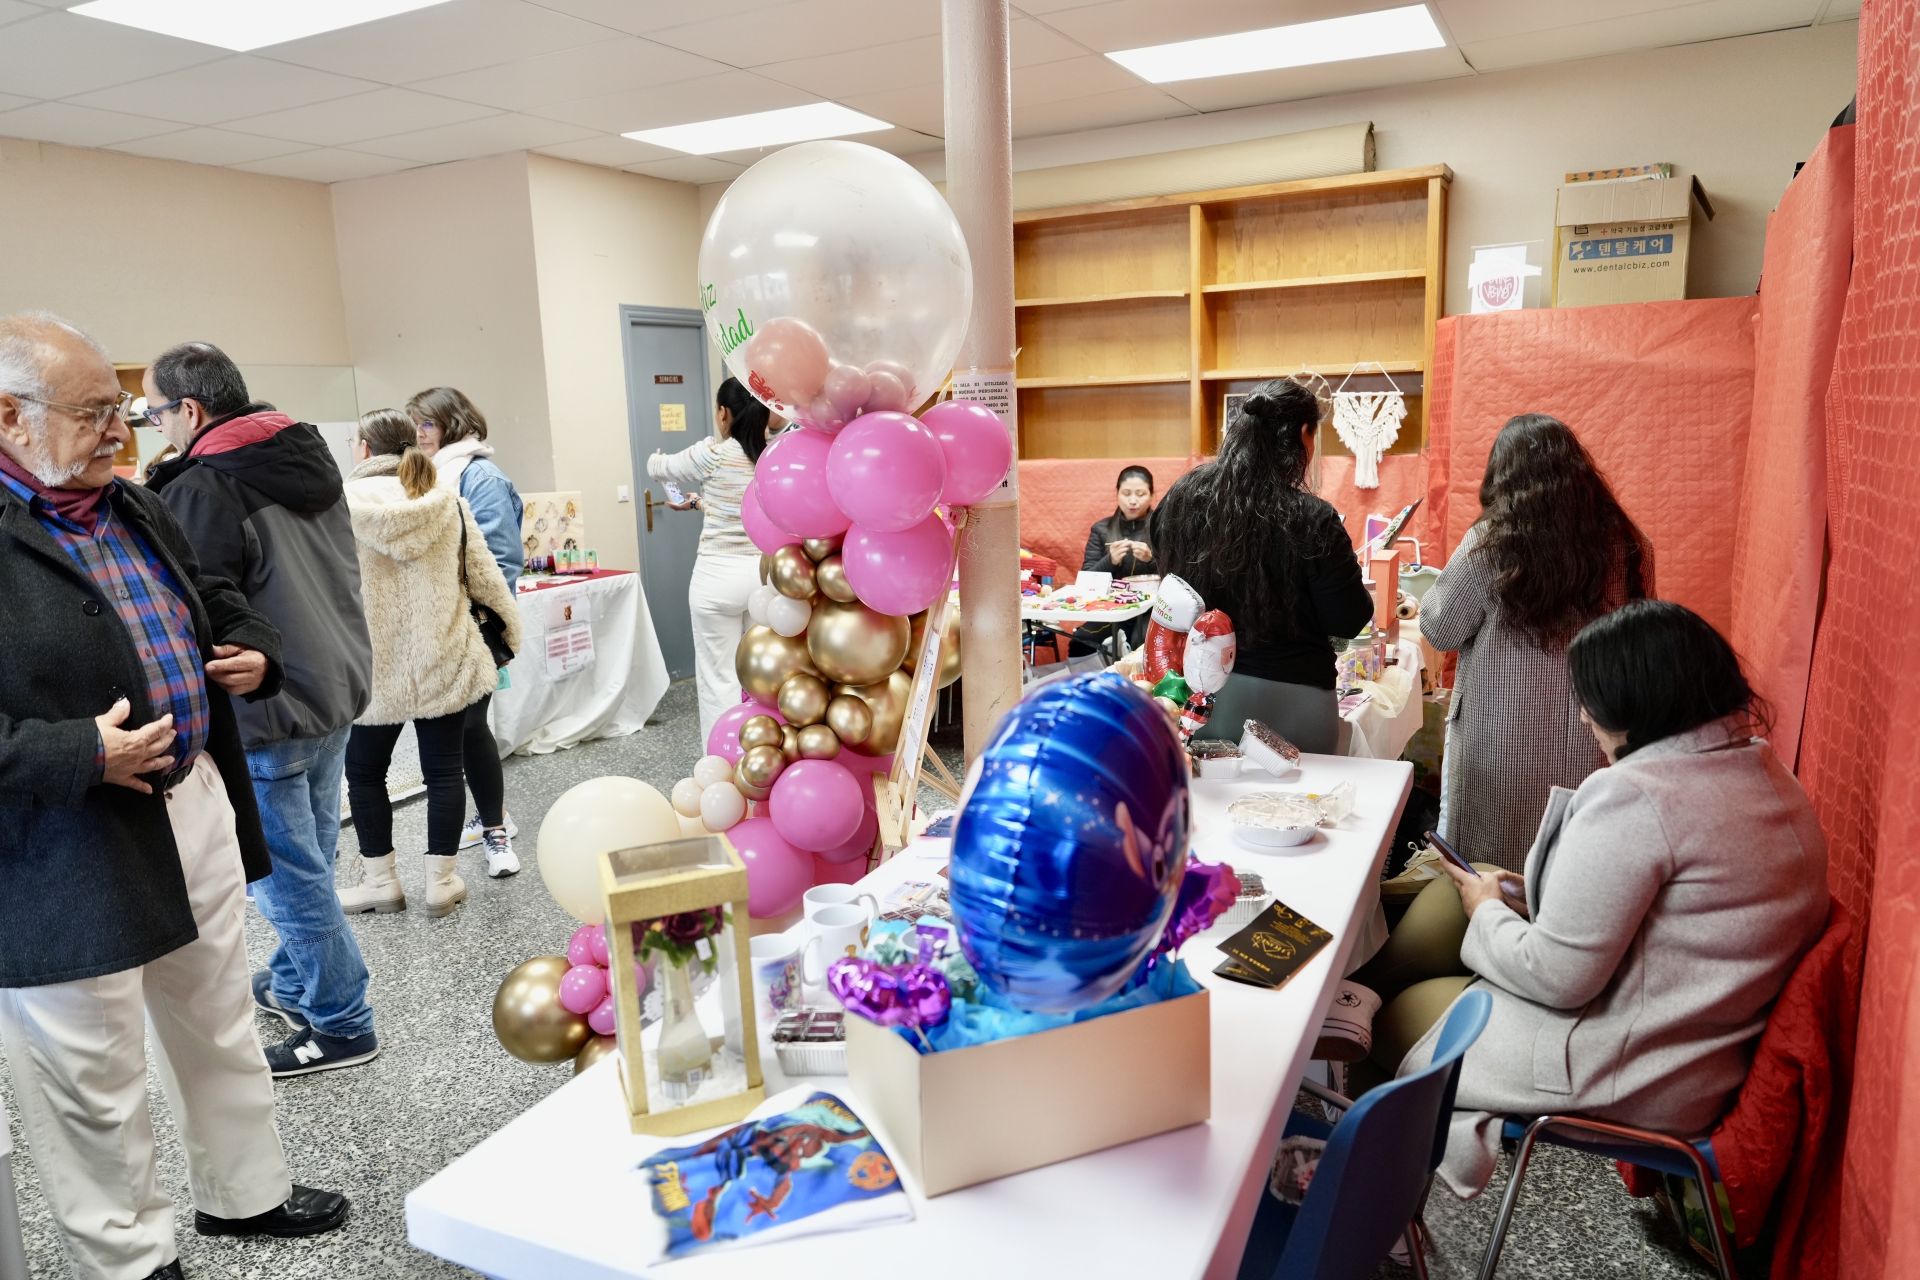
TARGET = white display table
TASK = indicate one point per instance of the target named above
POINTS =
(546, 708)
(554, 1193)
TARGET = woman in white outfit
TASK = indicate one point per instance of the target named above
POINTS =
(728, 566)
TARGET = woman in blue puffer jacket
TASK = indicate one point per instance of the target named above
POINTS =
(454, 434)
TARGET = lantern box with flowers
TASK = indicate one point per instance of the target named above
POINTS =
(676, 919)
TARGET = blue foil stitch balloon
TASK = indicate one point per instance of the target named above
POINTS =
(1071, 843)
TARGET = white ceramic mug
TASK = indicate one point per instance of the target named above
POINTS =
(833, 932)
(822, 896)
(776, 972)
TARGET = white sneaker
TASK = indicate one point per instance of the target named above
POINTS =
(1421, 869)
(470, 835)
(501, 861)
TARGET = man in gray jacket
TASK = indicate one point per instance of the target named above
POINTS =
(261, 500)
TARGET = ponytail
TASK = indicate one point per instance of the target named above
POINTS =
(417, 475)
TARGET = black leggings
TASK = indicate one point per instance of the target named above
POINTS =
(442, 743)
(482, 758)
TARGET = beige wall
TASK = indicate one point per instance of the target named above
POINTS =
(146, 253)
(437, 270)
(603, 239)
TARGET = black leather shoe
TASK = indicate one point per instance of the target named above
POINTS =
(306, 1213)
(171, 1271)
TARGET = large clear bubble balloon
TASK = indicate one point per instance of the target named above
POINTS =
(835, 280)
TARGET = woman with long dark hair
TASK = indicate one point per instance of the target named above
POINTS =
(728, 567)
(1552, 550)
(1247, 535)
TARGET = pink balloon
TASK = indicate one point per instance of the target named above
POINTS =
(856, 848)
(603, 1019)
(642, 977)
(899, 373)
(761, 530)
(582, 988)
(826, 871)
(886, 471)
(888, 393)
(724, 739)
(976, 445)
(602, 954)
(899, 573)
(859, 761)
(792, 479)
(847, 389)
(580, 947)
(777, 873)
(788, 356)
(821, 415)
(816, 805)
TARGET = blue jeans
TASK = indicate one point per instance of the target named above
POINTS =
(317, 969)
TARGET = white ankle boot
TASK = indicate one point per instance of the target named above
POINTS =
(379, 888)
(445, 889)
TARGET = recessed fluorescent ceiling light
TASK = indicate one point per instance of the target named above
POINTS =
(1302, 44)
(761, 129)
(246, 24)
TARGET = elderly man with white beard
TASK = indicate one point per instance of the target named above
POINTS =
(128, 832)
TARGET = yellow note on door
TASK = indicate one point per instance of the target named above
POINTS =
(673, 417)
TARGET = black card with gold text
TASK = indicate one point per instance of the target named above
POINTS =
(1273, 948)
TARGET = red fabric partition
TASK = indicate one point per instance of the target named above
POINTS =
(1660, 392)
(1780, 546)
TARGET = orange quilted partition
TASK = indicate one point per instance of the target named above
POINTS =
(1660, 392)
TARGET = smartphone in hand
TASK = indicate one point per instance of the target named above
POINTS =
(1452, 855)
(675, 496)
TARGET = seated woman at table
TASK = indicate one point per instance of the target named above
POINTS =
(1664, 906)
(1247, 535)
(1551, 551)
(1121, 545)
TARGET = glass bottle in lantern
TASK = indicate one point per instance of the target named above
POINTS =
(685, 1055)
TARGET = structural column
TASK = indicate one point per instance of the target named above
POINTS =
(979, 107)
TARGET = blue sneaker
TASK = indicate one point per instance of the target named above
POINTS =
(307, 1051)
(265, 1001)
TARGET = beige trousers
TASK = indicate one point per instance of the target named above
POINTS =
(78, 1051)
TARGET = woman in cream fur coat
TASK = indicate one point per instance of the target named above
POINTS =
(430, 664)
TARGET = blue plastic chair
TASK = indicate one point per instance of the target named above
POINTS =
(1656, 1151)
(1373, 1177)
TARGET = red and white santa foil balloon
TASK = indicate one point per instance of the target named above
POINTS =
(1175, 609)
(1211, 649)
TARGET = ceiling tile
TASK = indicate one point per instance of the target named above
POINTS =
(14, 10)
(1705, 20)
(1256, 88)
(709, 98)
(1130, 24)
(1074, 78)
(1127, 106)
(573, 73)
(57, 55)
(689, 169)
(897, 141)
(210, 146)
(8, 102)
(225, 90)
(1049, 6)
(638, 17)
(327, 165)
(1471, 21)
(609, 150)
(77, 126)
(907, 63)
(363, 116)
(1841, 11)
(804, 29)
(922, 108)
(442, 40)
(471, 138)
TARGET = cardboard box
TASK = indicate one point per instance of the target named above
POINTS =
(1624, 240)
(971, 1115)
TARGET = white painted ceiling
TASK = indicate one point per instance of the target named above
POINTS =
(568, 77)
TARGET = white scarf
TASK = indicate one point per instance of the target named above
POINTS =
(451, 460)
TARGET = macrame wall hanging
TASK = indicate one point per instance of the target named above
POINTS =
(1368, 422)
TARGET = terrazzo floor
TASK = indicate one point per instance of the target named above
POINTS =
(442, 1084)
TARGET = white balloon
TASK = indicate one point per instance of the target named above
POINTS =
(593, 818)
(855, 246)
(787, 616)
(686, 798)
(721, 806)
(757, 602)
(710, 770)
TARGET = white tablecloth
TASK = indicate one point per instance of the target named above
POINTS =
(1373, 731)
(554, 1192)
(542, 711)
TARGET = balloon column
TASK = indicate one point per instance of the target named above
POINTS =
(837, 285)
(553, 1008)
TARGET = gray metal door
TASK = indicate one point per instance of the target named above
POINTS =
(669, 406)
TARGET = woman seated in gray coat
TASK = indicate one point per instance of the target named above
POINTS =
(1665, 904)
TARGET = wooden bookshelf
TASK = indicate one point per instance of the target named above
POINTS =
(1136, 317)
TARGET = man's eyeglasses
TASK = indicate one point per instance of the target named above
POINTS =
(152, 416)
(96, 416)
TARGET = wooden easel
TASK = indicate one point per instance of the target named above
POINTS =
(894, 794)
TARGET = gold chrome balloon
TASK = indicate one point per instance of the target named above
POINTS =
(851, 644)
(792, 574)
(830, 575)
(819, 549)
(597, 1048)
(766, 568)
(887, 700)
(850, 718)
(759, 731)
(949, 646)
(528, 1017)
(757, 770)
(789, 743)
(803, 700)
(818, 742)
(766, 658)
